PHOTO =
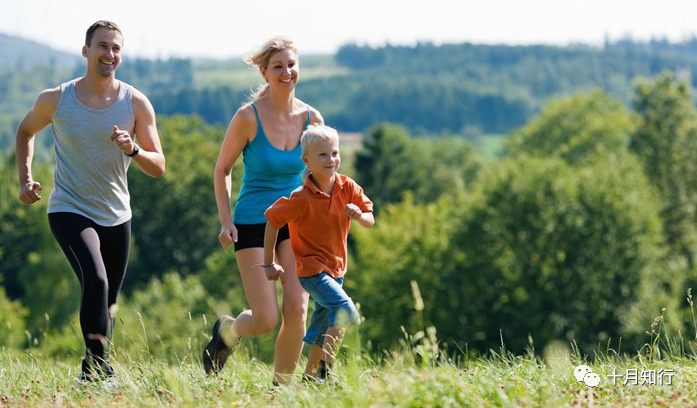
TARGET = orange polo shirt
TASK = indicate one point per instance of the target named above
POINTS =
(318, 224)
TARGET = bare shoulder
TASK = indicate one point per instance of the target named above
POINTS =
(315, 116)
(243, 125)
(41, 113)
(244, 118)
(245, 113)
(48, 98)
(140, 101)
(45, 105)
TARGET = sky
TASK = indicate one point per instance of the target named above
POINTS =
(232, 28)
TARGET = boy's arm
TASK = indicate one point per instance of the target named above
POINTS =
(365, 219)
(360, 208)
(272, 269)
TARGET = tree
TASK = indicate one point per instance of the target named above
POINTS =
(666, 143)
(410, 242)
(12, 324)
(575, 129)
(538, 249)
(33, 268)
(175, 225)
(390, 164)
(383, 163)
(557, 252)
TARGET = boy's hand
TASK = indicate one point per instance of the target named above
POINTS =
(275, 272)
(353, 211)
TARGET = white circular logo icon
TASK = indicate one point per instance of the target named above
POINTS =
(584, 374)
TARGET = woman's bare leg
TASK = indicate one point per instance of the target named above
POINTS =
(289, 343)
(260, 293)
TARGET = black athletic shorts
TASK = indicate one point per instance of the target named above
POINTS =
(252, 235)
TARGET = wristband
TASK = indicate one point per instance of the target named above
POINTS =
(264, 266)
(135, 152)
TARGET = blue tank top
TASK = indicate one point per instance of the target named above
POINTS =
(269, 174)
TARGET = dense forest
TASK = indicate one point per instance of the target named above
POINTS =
(464, 89)
(581, 231)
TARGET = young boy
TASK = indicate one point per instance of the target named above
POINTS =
(318, 215)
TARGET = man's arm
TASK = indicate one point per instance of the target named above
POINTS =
(33, 122)
(150, 158)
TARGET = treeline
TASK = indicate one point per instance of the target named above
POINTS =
(464, 90)
(456, 89)
(583, 232)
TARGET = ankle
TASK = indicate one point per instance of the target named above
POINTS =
(226, 331)
(324, 369)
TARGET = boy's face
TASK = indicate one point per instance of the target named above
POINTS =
(322, 158)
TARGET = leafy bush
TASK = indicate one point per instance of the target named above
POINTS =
(12, 326)
(165, 320)
(541, 250)
(556, 253)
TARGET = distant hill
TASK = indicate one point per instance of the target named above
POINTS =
(16, 52)
(461, 89)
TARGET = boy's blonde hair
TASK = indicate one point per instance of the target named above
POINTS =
(314, 133)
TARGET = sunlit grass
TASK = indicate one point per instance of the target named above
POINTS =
(416, 373)
(398, 379)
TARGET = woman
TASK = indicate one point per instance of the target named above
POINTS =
(267, 133)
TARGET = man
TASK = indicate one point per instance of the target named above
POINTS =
(95, 120)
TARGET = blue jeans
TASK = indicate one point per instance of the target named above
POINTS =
(333, 307)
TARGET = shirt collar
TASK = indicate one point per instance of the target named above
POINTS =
(338, 183)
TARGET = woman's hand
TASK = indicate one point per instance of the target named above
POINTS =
(228, 235)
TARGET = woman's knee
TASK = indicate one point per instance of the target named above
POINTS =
(294, 312)
(265, 322)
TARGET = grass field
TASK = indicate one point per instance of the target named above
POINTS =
(490, 145)
(402, 379)
(237, 74)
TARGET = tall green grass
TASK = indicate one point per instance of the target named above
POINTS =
(416, 373)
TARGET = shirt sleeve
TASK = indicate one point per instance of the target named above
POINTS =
(283, 211)
(360, 199)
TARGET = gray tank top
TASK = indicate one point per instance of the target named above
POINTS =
(90, 175)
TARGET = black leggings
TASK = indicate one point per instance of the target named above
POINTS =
(99, 256)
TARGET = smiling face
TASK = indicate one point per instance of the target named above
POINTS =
(322, 158)
(104, 51)
(282, 71)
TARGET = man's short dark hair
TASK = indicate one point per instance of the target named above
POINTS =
(100, 24)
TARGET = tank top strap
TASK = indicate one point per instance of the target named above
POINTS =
(307, 122)
(124, 91)
(256, 113)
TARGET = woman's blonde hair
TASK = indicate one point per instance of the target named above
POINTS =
(260, 59)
